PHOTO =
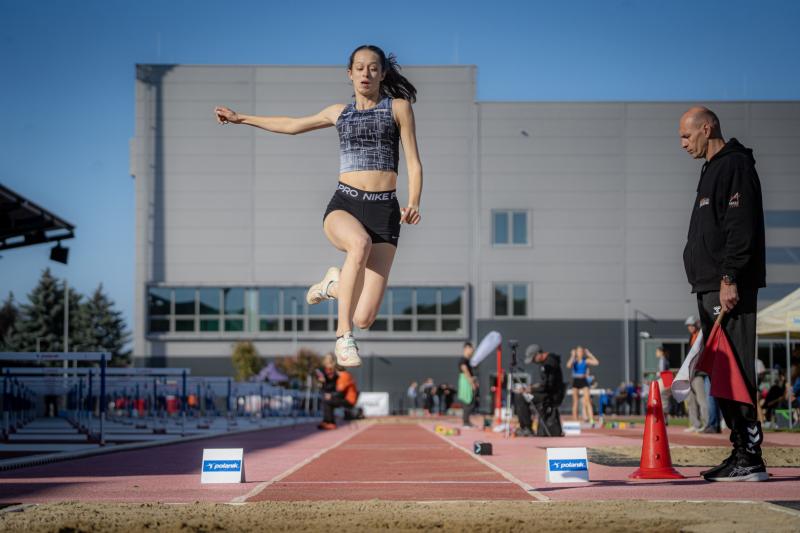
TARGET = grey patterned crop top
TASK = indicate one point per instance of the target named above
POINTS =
(368, 139)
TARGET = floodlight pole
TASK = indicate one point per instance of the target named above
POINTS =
(66, 320)
(498, 390)
(102, 398)
(91, 404)
(626, 342)
(6, 406)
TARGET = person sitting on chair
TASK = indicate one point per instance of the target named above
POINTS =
(544, 398)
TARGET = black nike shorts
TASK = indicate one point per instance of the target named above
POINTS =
(378, 212)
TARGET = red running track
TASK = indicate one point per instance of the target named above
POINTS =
(393, 462)
(169, 473)
(377, 461)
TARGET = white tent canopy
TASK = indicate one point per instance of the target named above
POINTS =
(781, 318)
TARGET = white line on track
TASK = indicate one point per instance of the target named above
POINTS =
(264, 484)
(524, 486)
(461, 482)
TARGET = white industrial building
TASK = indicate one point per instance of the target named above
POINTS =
(549, 222)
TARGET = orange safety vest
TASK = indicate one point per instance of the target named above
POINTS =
(347, 386)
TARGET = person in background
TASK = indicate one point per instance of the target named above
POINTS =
(545, 396)
(761, 373)
(697, 401)
(467, 379)
(411, 395)
(345, 395)
(579, 361)
(662, 362)
(775, 399)
(714, 418)
(621, 399)
(428, 390)
(604, 401)
(441, 391)
(326, 377)
(634, 398)
(449, 397)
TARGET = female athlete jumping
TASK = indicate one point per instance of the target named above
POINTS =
(363, 218)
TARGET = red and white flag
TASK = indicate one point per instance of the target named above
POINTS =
(720, 363)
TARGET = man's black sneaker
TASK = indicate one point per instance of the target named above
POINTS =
(743, 467)
(711, 429)
(523, 432)
(719, 467)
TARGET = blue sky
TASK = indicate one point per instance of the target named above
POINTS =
(67, 80)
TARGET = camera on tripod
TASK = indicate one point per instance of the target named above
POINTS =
(513, 344)
(520, 380)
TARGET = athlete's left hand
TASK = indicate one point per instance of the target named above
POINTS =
(409, 215)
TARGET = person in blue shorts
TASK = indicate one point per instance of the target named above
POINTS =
(580, 360)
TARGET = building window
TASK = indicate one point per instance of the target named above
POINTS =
(510, 227)
(210, 305)
(280, 311)
(294, 304)
(269, 309)
(159, 309)
(233, 301)
(783, 255)
(185, 310)
(782, 219)
(510, 299)
(776, 291)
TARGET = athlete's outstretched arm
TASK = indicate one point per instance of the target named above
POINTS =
(408, 135)
(289, 125)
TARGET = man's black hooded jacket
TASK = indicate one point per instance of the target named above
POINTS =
(726, 232)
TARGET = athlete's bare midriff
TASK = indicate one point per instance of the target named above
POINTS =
(370, 180)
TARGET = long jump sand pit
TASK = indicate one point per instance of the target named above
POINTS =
(616, 516)
(691, 455)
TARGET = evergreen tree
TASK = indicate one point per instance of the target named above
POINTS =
(42, 317)
(102, 328)
(245, 359)
(8, 319)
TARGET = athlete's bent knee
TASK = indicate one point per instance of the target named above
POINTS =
(364, 321)
(359, 247)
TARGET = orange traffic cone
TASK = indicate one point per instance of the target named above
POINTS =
(656, 462)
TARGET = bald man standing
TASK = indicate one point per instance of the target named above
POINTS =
(725, 264)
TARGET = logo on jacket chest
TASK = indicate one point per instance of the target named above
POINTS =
(734, 201)
(704, 202)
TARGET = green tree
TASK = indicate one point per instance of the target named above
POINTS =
(102, 328)
(245, 359)
(8, 318)
(42, 317)
(300, 365)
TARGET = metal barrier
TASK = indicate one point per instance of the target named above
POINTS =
(149, 398)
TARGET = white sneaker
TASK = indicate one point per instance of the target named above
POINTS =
(347, 351)
(319, 291)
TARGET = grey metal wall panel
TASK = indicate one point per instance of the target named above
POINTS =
(606, 185)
